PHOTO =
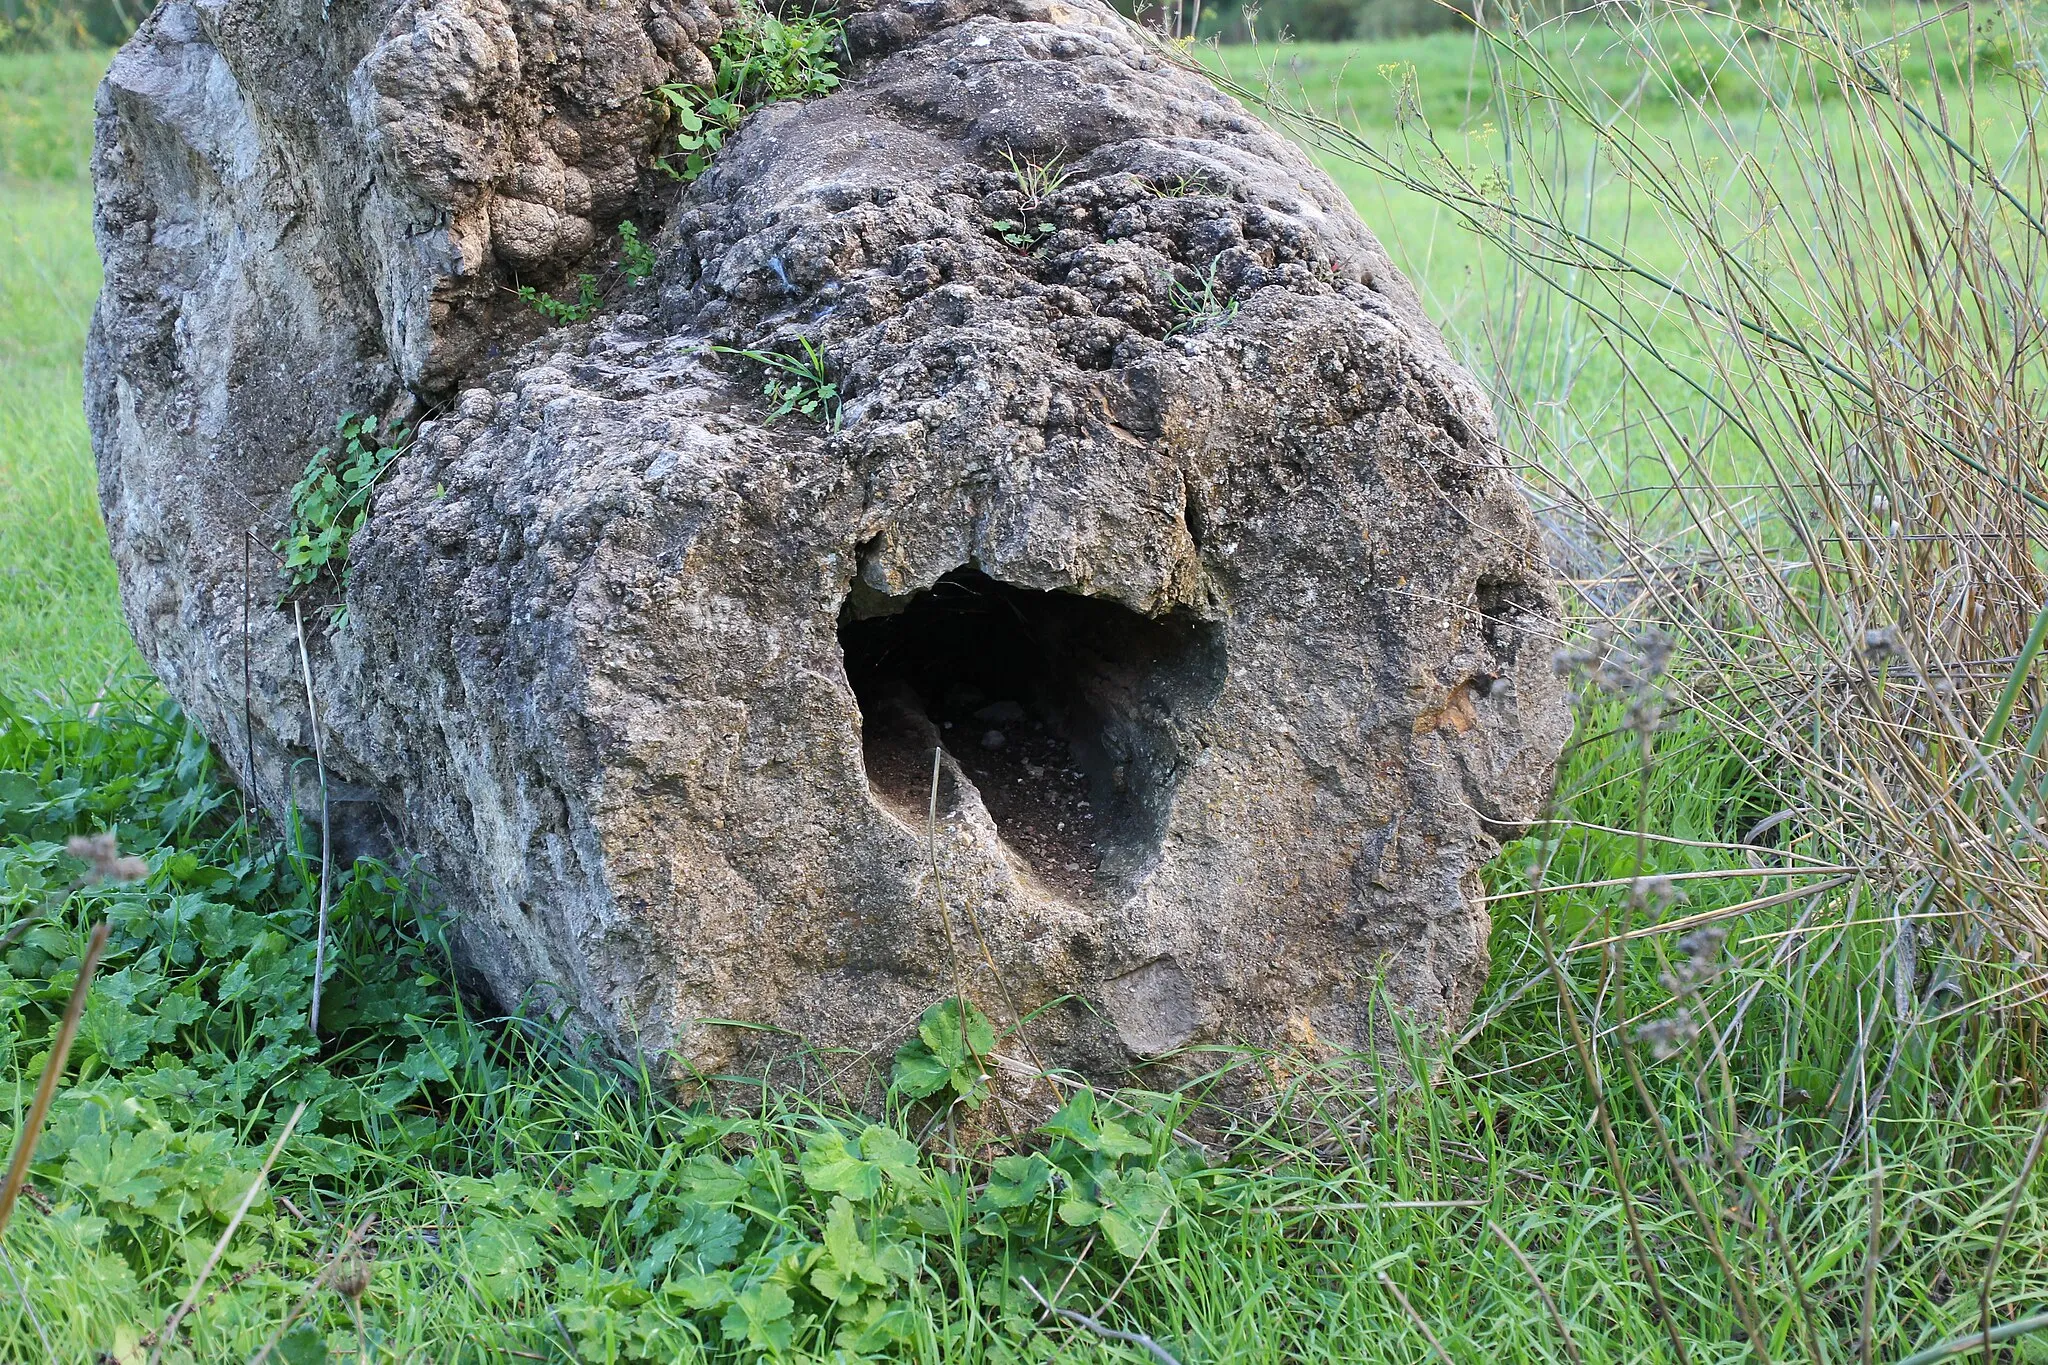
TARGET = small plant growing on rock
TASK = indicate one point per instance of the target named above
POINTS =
(761, 60)
(1187, 186)
(636, 265)
(1199, 306)
(948, 1052)
(564, 311)
(636, 257)
(1023, 235)
(1037, 183)
(332, 500)
(702, 126)
(800, 383)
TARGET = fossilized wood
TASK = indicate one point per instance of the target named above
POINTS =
(651, 689)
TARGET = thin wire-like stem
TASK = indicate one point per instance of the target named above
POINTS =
(1866, 1341)
(27, 1304)
(227, 1234)
(1564, 1332)
(2012, 1208)
(1415, 1319)
(1102, 1329)
(326, 824)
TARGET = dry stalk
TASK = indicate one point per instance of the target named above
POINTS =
(1436, 1348)
(1101, 1329)
(169, 1330)
(53, 1068)
(326, 826)
(1564, 1332)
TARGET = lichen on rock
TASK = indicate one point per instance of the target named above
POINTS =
(1158, 513)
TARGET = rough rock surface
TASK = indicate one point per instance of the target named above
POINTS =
(1158, 508)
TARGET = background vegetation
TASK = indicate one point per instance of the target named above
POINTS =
(54, 25)
(1756, 1076)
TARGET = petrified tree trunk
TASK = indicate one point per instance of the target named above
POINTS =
(1158, 511)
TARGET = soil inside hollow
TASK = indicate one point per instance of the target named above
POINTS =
(991, 674)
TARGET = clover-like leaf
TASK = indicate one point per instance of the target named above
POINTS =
(917, 1074)
(1016, 1181)
(830, 1166)
(1135, 1206)
(760, 1317)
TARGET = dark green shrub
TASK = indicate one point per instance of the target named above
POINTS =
(41, 25)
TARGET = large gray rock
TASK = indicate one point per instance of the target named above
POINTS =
(1174, 530)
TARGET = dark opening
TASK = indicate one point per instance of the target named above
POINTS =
(1506, 606)
(1070, 716)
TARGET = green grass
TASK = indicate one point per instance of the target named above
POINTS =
(61, 630)
(502, 1175)
(515, 1198)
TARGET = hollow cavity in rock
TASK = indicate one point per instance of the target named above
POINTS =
(1070, 715)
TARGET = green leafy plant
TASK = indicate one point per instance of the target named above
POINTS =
(801, 383)
(1022, 234)
(1037, 183)
(637, 263)
(658, 1232)
(948, 1052)
(761, 59)
(1114, 1175)
(331, 500)
(1185, 186)
(702, 123)
(194, 1043)
(564, 311)
(637, 258)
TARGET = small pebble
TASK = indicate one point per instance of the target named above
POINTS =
(993, 740)
(1034, 770)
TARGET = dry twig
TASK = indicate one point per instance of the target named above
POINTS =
(46, 1086)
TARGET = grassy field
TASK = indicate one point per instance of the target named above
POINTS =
(1661, 1148)
(61, 631)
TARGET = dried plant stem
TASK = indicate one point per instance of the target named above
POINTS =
(53, 1068)
(1741, 1288)
(1866, 1341)
(170, 1327)
(1564, 1333)
(1588, 1066)
(1101, 1329)
(1704, 874)
(348, 1246)
(27, 1304)
(1436, 1347)
(953, 943)
(1044, 1073)
(1998, 1335)
(2012, 1208)
(248, 679)
(1136, 1261)
(1774, 1226)
(931, 834)
(326, 825)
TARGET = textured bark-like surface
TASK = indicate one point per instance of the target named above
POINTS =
(1159, 513)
